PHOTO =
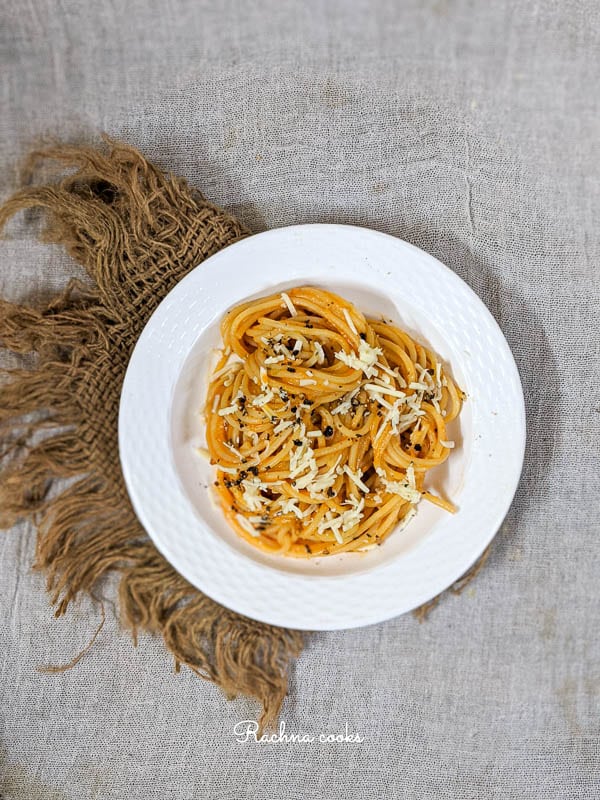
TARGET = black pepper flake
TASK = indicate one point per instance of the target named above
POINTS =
(298, 442)
(243, 475)
(293, 409)
(217, 483)
(309, 325)
(328, 431)
(363, 336)
(308, 550)
(418, 447)
(430, 371)
(291, 369)
(330, 492)
(253, 470)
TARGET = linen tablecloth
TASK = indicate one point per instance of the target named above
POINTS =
(469, 129)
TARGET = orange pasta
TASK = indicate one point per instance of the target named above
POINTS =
(322, 424)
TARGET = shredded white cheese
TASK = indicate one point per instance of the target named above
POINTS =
(247, 525)
(374, 388)
(403, 490)
(319, 352)
(251, 496)
(409, 515)
(290, 306)
(297, 346)
(344, 521)
(282, 425)
(232, 367)
(229, 410)
(447, 443)
(233, 450)
(351, 324)
(346, 404)
(274, 359)
(279, 347)
(263, 398)
(307, 382)
(355, 477)
(365, 360)
(290, 506)
(228, 470)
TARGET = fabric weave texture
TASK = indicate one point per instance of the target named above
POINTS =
(471, 130)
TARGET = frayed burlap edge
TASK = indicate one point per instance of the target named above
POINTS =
(137, 231)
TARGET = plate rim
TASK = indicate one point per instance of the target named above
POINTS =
(492, 526)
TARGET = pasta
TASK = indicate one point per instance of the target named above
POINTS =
(322, 424)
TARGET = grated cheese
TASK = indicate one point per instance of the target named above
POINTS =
(274, 359)
(291, 506)
(387, 370)
(251, 497)
(355, 477)
(410, 514)
(229, 410)
(351, 325)
(263, 398)
(377, 389)
(283, 425)
(346, 520)
(448, 444)
(279, 347)
(346, 404)
(233, 450)
(319, 352)
(365, 360)
(231, 367)
(291, 307)
(298, 346)
(216, 401)
(307, 382)
(403, 490)
(247, 525)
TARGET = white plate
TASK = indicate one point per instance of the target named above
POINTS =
(160, 425)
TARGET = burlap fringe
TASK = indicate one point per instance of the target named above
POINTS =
(137, 231)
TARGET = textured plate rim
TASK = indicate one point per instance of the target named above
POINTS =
(146, 507)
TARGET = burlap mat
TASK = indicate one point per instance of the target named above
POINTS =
(137, 231)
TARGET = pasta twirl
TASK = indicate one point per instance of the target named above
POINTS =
(322, 424)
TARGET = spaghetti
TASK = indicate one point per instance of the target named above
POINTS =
(322, 424)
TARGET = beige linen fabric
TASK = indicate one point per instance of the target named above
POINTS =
(471, 130)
